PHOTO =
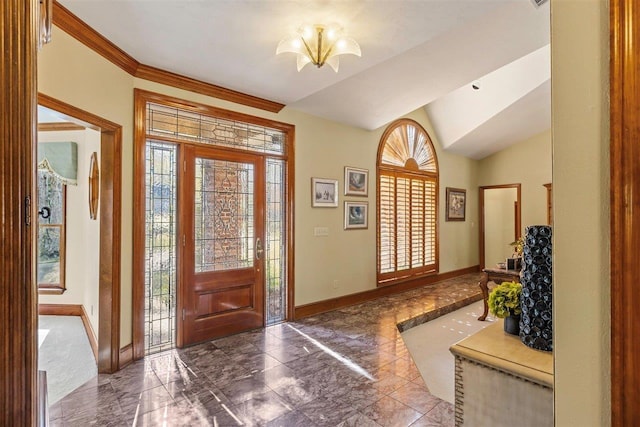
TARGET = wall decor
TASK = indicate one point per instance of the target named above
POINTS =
(355, 215)
(456, 204)
(324, 193)
(356, 181)
(94, 186)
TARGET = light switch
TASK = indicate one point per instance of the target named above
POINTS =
(321, 231)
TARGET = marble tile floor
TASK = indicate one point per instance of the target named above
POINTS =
(348, 367)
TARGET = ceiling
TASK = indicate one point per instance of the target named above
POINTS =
(415, 53)
(47, 115)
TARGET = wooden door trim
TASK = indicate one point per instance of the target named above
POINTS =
(290, 229)
(139, 197)
(18, 293)
(625, 217)
(549, 188)
(141, 97)
(518, 213)
(110, 228)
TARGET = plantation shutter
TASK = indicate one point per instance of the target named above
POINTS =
(387, 234)
(407, 205)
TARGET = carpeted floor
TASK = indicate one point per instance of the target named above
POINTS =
(429, 345)
(65, 353)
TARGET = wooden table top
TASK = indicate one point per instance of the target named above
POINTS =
(502, 271)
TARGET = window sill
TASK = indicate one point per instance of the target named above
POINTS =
(405, 279)
(50, 290)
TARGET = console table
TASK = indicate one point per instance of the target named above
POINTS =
(497, 276)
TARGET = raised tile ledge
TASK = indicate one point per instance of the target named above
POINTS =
(412, 322)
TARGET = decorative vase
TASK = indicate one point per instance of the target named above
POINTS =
(512, 324)
(536, 278)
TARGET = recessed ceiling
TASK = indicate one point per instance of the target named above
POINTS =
(413, 52)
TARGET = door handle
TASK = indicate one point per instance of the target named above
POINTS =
(259, 249)
(45, 212)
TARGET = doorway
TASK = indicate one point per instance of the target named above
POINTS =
(107, 347)
(500, 222)
(213, 232)
(67, 260)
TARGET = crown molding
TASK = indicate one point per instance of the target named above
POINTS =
(59, 126)
(176, 80)
(81, 31)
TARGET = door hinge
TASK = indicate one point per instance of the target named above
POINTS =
(27, 210)
(184, 166)
(184, 240)
(184, 315)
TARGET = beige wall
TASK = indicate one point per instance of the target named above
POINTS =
(579, 58)
(82, 248)
(458, 239)
(89, 229)
(528, 163)
(74, 74)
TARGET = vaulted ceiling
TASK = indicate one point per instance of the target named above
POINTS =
(419, 53)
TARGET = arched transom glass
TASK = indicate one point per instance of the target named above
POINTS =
(409, 146)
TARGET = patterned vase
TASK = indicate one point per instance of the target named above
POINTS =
(535, 320)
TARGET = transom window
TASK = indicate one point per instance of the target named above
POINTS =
(408, 203)
(164, 120)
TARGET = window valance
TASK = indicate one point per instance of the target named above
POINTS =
(61, 159)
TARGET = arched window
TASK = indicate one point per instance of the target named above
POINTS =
(407, 203)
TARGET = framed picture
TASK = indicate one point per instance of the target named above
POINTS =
(355, 215)
(456, 204)
(356, 181)
(324, 193)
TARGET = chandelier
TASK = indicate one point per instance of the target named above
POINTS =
(319, 45)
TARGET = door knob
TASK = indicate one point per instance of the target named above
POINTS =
(45, 212)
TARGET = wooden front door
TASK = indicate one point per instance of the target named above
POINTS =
(223, 221)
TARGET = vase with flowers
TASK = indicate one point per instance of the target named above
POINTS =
(504, 302)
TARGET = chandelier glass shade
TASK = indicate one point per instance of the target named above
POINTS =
(319, 45)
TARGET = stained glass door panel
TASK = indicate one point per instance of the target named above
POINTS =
(161, 214)
(223, 289)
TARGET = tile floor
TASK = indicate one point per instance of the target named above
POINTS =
(348, 367)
